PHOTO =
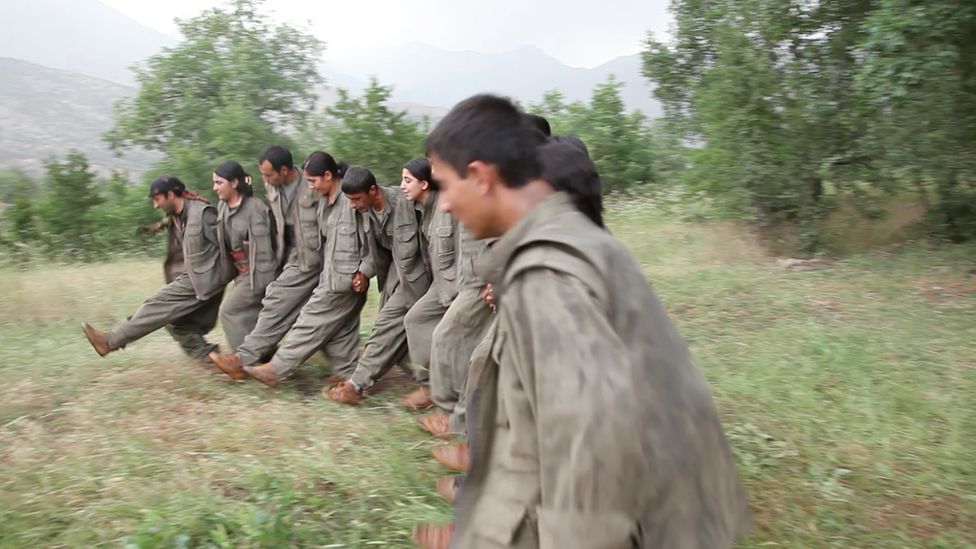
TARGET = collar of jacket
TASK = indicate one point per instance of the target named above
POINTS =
(225, 210)
(389, 204)
(494, 263)
(426, 208)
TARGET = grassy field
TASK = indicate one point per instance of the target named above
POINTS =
(848, 393)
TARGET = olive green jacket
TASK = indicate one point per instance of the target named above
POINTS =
(590, 425)
(202, 253)
(251, 222)
(304, 216)
(402, 229)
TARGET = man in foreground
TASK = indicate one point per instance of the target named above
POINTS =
(590, 425)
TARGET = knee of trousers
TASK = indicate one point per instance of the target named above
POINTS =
(410, 318)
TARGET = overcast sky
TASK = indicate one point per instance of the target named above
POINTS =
(580, 33)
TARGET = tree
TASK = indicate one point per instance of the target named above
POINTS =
(768, 89)
(870, 96)
(620, 144)
(15, 183)
(64, 210)
(919, 79)
(366, 131)
(231, 87)
(617, 141)
(115, 220)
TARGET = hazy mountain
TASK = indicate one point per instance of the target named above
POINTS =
(427, 75)
(82, 36)
(46, 112)
(86, 49)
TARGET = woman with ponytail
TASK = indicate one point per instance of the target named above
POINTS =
(244, 232)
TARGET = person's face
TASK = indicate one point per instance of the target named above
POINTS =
(466, 196)
(271, 176)
(362, 202)
(322, 184)
(226, 190)
(165, 202)
(415, 189)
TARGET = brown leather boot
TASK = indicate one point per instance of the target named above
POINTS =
(432, 536)
(436, 424)
(455, 457)
(98, 339)
(343, 392)
(230, 364)
(263, 373)
(447, 488)
(418, 399)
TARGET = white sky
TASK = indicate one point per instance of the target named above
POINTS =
(581, 33)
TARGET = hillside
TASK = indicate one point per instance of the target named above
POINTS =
(47, 112)
(449, 76)
(82, 36)
(67, 61)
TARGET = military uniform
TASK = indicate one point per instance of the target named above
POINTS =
(589, 423)
(427, 312)
(191, 291)
(298, 243)
(187, 331)
(395, 239)
(245, 234)
(459, 331)
(329, 320)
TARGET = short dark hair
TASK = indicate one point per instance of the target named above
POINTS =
(567, 168)
(493, 130)
(358, 179)
(278, 156)
(231, 170)
(541, 123)
(320, 162)
(166, 184)
(420, 168)
(572, 140)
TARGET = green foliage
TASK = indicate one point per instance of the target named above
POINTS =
(366, 131)
(620, 144)
(123, 209)
(18, 223)
(784, 97)
(14, 183)
(79, 217)
(64, 212)
(919, 81)
(231, 87)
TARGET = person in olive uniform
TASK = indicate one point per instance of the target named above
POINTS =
(590, 424)
(298, 245)
(439, 230)
(244, 230)
(568, 168)
(454, 339)
(329, 321)
(189, 331)
(206, 274)
(396, 244)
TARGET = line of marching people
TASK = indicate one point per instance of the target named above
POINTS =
(301, 264)
(579, 418)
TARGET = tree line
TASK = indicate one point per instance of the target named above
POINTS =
(777, 112)
(800, 107)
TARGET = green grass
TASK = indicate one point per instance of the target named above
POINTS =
(848, 393)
